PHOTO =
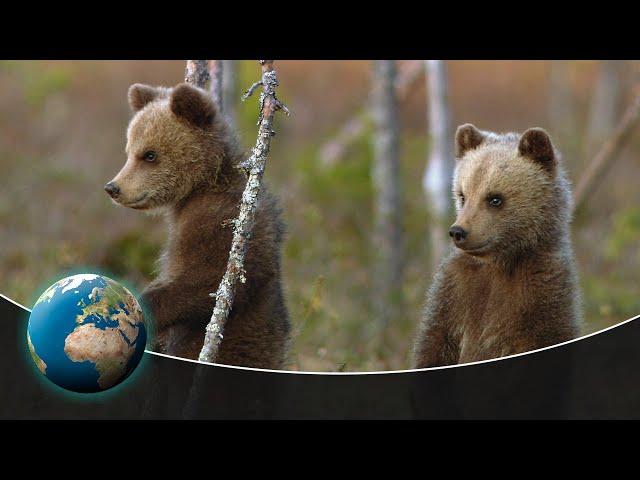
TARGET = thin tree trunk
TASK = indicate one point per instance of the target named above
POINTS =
(561, 108)
(197, 73)
(254, 166)
(388, 218)
(437, 176)
(606, 99)
(596, 170)
(334, 149)
(230, 91)
(216, 74)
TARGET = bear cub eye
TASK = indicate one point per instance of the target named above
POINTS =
(149, 156)
(461, 198)
(495, 200)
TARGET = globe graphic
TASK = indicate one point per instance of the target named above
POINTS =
(86, 333)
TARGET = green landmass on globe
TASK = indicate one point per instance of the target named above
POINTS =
(86, 333)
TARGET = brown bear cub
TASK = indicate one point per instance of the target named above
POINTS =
(511, 285)
(181, 162)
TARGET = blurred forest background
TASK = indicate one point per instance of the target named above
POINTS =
(62, 137)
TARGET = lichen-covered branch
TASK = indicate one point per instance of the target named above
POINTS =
(334, 149)
(216, 74)
(596, 170)
(197, 73)
(254, 166)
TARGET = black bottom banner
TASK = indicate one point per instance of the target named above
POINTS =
(589, 378)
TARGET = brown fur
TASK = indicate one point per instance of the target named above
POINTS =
(194, 183)
(512, 286)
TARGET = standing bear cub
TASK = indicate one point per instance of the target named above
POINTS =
(181, 162)
(511, 285)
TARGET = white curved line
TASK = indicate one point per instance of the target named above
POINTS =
(15, 303)
(384, 372)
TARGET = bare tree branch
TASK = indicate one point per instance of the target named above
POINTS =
(197, 73)
(254, 166)
(597, 169)
(352, 129)
(216, 74)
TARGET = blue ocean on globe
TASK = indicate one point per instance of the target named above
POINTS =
(86, 333)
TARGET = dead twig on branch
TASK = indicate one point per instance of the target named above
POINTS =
(352, 129)
(597, 169)
(254, 166)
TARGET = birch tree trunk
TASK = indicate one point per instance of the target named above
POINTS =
(334, 149)
(436, 181)
(230, 91)
(388, 213)
(243, 225)
(604, 110)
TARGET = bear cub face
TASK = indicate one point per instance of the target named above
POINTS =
(507, 191)
(172, 147)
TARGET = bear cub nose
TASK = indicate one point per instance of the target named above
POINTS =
(457, 233)
(112, 189)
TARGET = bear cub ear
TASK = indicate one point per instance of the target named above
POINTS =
(468, 137)
(536, 145)
(140, 95)
(192, 104)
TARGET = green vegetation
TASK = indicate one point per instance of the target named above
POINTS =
(37, 88)
(131, 253)
(625, 234)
